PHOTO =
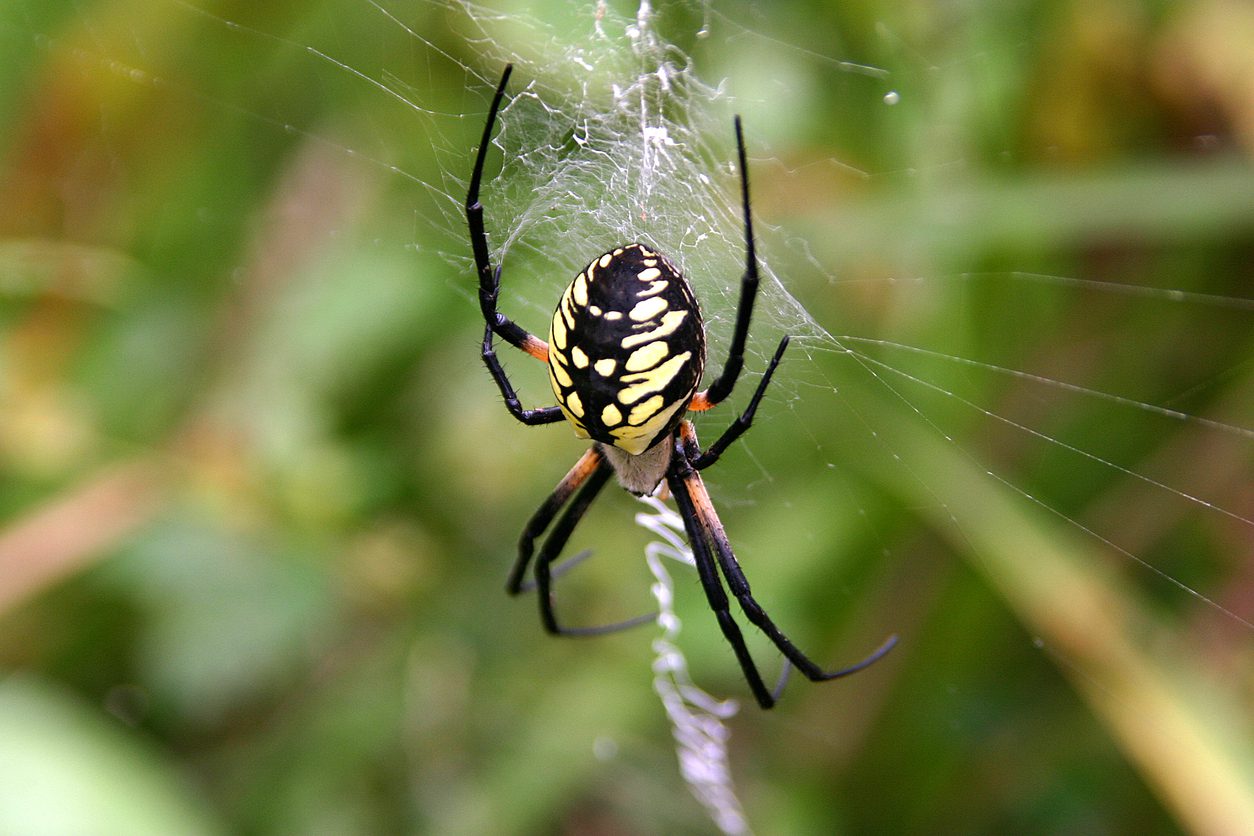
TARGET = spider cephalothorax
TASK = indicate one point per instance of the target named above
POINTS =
(626, 352)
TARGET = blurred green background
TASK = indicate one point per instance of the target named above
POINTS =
(258, 498)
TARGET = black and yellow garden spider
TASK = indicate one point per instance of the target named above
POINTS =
(625, 353)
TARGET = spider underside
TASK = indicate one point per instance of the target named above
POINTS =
(625, 353)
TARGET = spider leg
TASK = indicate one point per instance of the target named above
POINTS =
(698, 513)
(678, 479)
(530, 417)
(489, 277)
(700, 461)
(572, 481)
(589, 484)
(739, 587)
(726, 381)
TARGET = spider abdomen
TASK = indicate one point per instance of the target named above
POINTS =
(626, 349)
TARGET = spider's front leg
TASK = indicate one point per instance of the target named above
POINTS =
(530, 417)
(490, 287)
(722, 386)
(489, 276)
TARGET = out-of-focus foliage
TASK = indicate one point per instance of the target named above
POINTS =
(258, 499)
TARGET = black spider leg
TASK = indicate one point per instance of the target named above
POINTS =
(704, 530)
(702, 460)
(490, 278)
(490, 287)
(530, 417)
(726, 381)
(587, 465)
(677, 477)
(587, 477)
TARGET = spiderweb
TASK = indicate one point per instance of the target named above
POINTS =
(632, 146)
(613, 131)
(696, 717)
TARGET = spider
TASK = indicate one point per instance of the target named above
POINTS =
(625, 354)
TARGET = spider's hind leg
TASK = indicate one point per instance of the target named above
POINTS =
(680, 479)
(706, 535)
(739, 586)
(589, 463)
(584, 482)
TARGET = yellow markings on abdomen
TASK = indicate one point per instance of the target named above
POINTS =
(670, 321)
(557, 372)
(557, 332)
(648, 309)
(647, 357)
(635, 439)
(651, 381)
(641, 411)
(616, 360)
(570, 402)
